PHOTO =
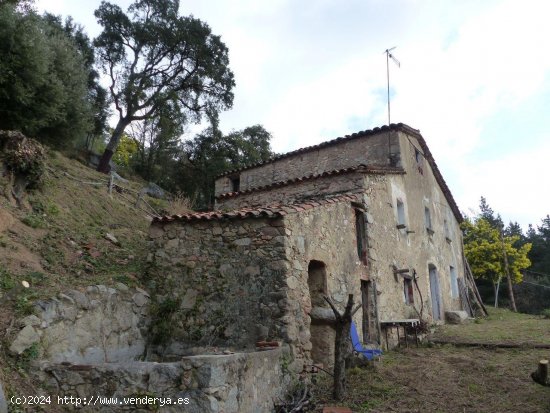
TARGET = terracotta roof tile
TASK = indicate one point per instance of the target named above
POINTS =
(271, 211)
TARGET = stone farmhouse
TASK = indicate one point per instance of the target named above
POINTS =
(367, 214)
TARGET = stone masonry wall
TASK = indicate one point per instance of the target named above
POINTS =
(227, 278)
(367, 150)
(98, 325)
(326, 234)
(234, 383)
(288, 194)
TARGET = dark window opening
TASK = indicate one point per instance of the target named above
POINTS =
(428, 220)
(408, 291)
(235, 184)
(361, 235)
(418, 156)
(317, 282)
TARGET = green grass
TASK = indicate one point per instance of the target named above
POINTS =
(501, 326)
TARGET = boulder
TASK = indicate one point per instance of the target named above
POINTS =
(457, 317)
(24, 340)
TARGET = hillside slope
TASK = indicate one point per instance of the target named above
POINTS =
(60, 240)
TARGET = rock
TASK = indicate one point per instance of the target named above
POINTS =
(292, 282)
(3, 401)
(243, 241)
(156, 231)
(154, 191)
(25, 339)
(112, 238)
(189, 299)
(457, 317)
(140, 299)
(121, 287)
(31, 320)
(79, 298)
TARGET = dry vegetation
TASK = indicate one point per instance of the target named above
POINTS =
(57, 242)
(447, 378)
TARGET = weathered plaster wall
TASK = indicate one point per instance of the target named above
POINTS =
(417, 249)
(241, 382)
(98, 325)
(228, 278)
(367, 150)
(294, 192)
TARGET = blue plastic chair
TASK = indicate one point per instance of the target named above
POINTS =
(368, 353)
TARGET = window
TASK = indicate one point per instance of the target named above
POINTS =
(447, 231)
(361, 234)
(235, 183)
(418, 156)
(454, 282)
(400, 214)
(428, 220)
(408, 291)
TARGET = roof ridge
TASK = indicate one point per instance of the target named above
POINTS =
(355, 135)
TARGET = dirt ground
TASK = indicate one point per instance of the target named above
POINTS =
(455, 379)
(446, 379)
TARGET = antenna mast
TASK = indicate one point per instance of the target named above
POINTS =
(389, 56)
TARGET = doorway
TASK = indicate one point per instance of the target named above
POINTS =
(435, 293)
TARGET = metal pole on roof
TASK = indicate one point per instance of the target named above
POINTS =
(388, 56)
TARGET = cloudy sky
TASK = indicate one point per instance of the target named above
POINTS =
(474, 79)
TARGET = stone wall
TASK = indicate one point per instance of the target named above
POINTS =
(241, 382)
(324, 235)
(295, 192)
(227, 278)
(98, 325)
(348, 153)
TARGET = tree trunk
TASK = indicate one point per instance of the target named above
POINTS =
(509, 278)
(497, 288)
(342, 328)
(111, 146)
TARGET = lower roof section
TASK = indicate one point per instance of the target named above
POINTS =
(270, 211)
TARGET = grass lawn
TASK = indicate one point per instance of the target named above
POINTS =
(501, 326)
(447, 378)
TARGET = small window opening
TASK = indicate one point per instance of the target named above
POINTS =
(400, 214)
(417, 156)
(408, 291)
(447, 230)
(428, 220)
(235, 184)
(454, 282)
(361, 235)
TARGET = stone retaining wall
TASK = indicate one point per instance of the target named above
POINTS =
(98, 325)
(233, 383)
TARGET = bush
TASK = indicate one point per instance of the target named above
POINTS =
(545, 313)
(23, 157)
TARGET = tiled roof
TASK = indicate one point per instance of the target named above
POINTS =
(271, 211)
(393, 127)
(373, 169)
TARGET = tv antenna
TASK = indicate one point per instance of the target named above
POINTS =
(389, 56)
